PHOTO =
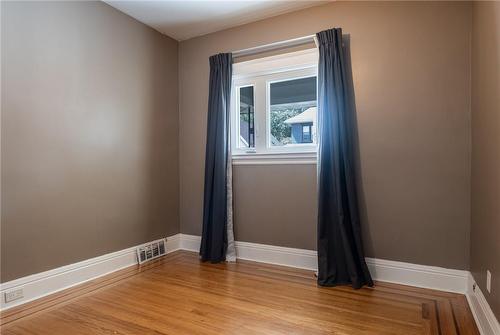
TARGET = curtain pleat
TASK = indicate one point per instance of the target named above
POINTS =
(217, 205)
(341, 259)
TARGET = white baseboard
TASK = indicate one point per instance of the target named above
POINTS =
(189, 242)
(297, 258)
(44, 283)
(485, 319)
(383, 270)
(173, 243)
(425, 276)
(48, 282)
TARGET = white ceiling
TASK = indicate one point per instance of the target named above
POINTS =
(189, 18)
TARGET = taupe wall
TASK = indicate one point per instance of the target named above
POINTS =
(411, 64)
(485, 225)
(89, 134)
(275, 204)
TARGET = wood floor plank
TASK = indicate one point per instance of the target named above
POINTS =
(178, 294)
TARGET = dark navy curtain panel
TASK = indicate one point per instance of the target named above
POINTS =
(341, 259)
(214, 240)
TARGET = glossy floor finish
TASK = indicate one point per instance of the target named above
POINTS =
(179, 295)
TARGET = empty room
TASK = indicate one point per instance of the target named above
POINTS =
(250, 167)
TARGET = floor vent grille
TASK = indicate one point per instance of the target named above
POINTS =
(151, 250)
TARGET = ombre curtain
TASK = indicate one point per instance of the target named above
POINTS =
(341, 259)
(217, 241)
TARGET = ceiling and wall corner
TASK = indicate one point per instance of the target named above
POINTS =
(181, 19)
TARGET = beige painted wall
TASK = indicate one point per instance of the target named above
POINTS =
(89, 134)
(411, 67)
(485, 225)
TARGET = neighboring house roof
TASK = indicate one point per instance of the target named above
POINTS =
(307, 116)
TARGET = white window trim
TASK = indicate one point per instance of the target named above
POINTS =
(300, 64)
(275, 158)
(278, 63)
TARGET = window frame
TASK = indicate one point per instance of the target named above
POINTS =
(260, 74)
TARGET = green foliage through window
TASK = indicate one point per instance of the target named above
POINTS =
(279, 129)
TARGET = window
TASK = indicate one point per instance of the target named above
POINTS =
(306, 133)
(246, 138)
(274, 107)
(292, 105)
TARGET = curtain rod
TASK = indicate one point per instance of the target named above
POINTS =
(274, 46)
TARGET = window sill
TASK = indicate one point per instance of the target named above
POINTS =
(288, 158)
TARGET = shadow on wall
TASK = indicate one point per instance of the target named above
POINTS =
(363, 211)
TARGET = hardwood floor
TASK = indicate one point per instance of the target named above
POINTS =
(179, 295)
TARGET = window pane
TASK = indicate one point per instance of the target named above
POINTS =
(247, 124)
(293, 108)
(306, 133)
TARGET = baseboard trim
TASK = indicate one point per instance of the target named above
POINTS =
(481, 310)
(383, 270)
(297, 258)
(42, 284)
(424, 276)
(189, 242)
(48, 282)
